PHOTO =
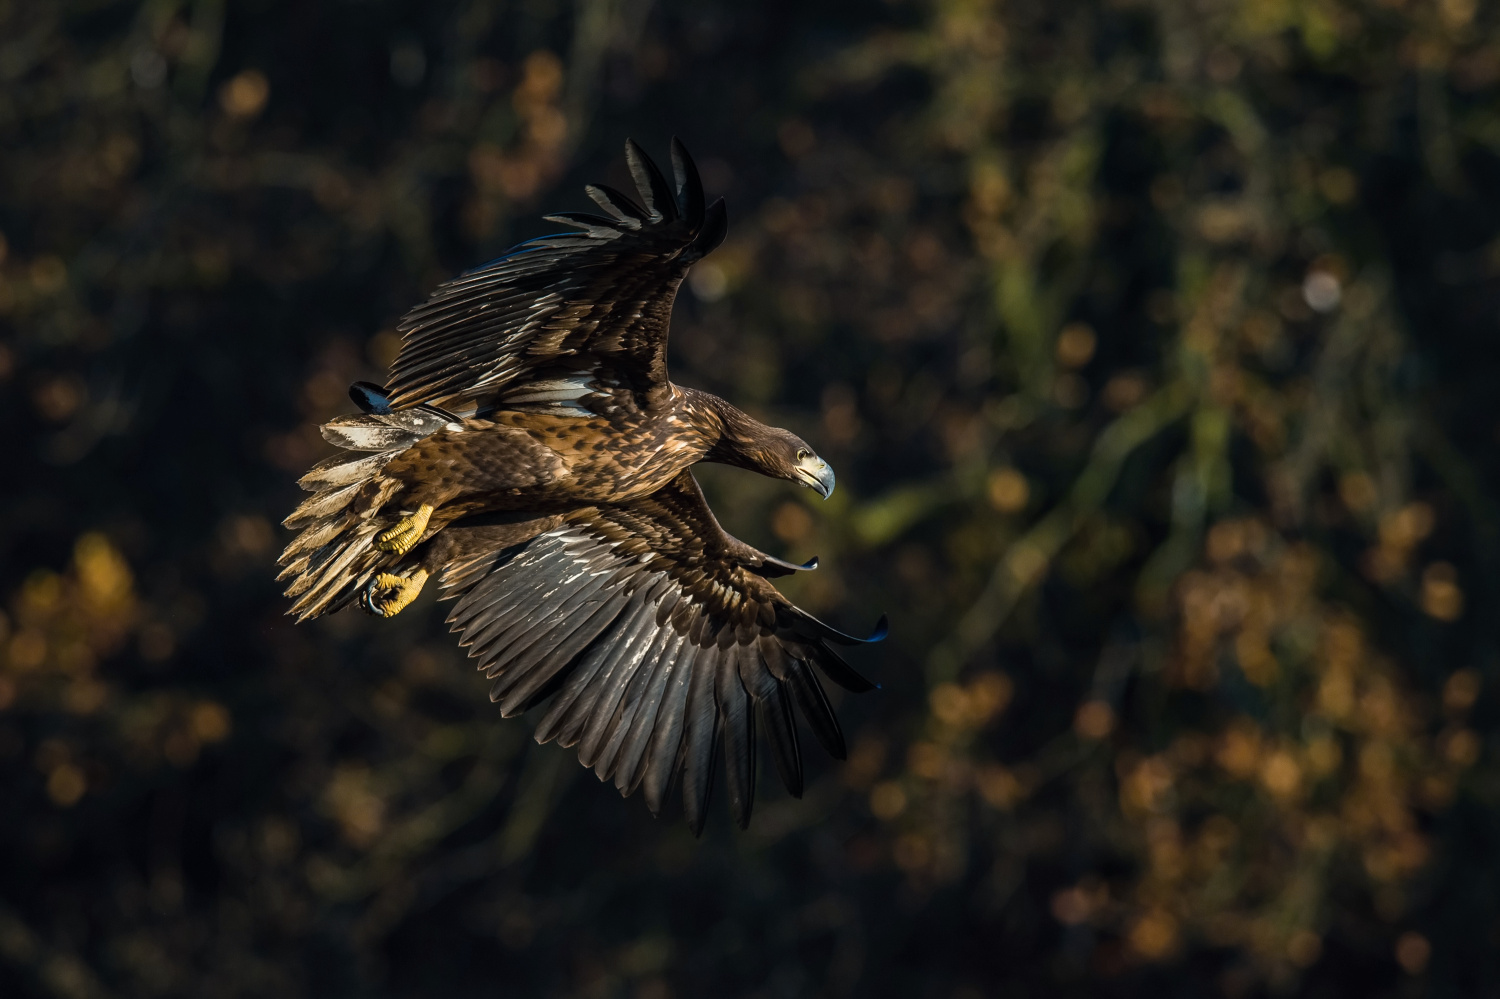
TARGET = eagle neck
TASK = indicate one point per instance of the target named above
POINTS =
(724, 428)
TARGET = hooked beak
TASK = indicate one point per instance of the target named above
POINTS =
(814, 471)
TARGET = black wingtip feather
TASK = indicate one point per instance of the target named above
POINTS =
(619, 205)
(650, 183)
(808, 694)
(370, 398)
(840, 672)
(715, 227)
(689, 185)
(832, 634)
(781, 729)
(696, 796)
(738, 722)
(700, 741)
(773, 568)
(595, 225)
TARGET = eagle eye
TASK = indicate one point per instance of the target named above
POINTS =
(803, 454)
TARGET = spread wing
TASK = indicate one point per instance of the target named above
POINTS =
(660, 641)
(555, 314)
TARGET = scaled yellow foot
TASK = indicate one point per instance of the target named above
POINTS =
(406, 533)
(389, 594)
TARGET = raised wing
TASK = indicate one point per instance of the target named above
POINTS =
(660, 640)
(559, 315)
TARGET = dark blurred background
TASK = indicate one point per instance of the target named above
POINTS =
(1153, 342)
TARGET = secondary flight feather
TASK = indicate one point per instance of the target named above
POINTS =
(530, 452)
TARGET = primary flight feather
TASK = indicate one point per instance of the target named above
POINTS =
(530, 451)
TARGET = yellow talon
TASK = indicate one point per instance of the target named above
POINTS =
(389, 594)
(407, 532)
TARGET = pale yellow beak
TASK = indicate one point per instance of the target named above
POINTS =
(815, 472)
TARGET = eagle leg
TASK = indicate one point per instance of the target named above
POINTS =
(407, 532)
(389, 594)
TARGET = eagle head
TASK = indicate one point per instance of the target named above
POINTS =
(736, 438)
(783, 455)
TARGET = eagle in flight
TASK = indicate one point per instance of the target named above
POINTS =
(530, 452)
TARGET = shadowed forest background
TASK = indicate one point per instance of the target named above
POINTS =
(1153, 342)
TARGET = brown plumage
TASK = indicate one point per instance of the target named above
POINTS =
(531, 452)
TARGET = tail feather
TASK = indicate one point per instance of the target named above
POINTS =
(295, 569)
(340, 576)
(363, 433)
(320, 505)
(341, 469)
(333, 557)
(309, 541)
(385, 431)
